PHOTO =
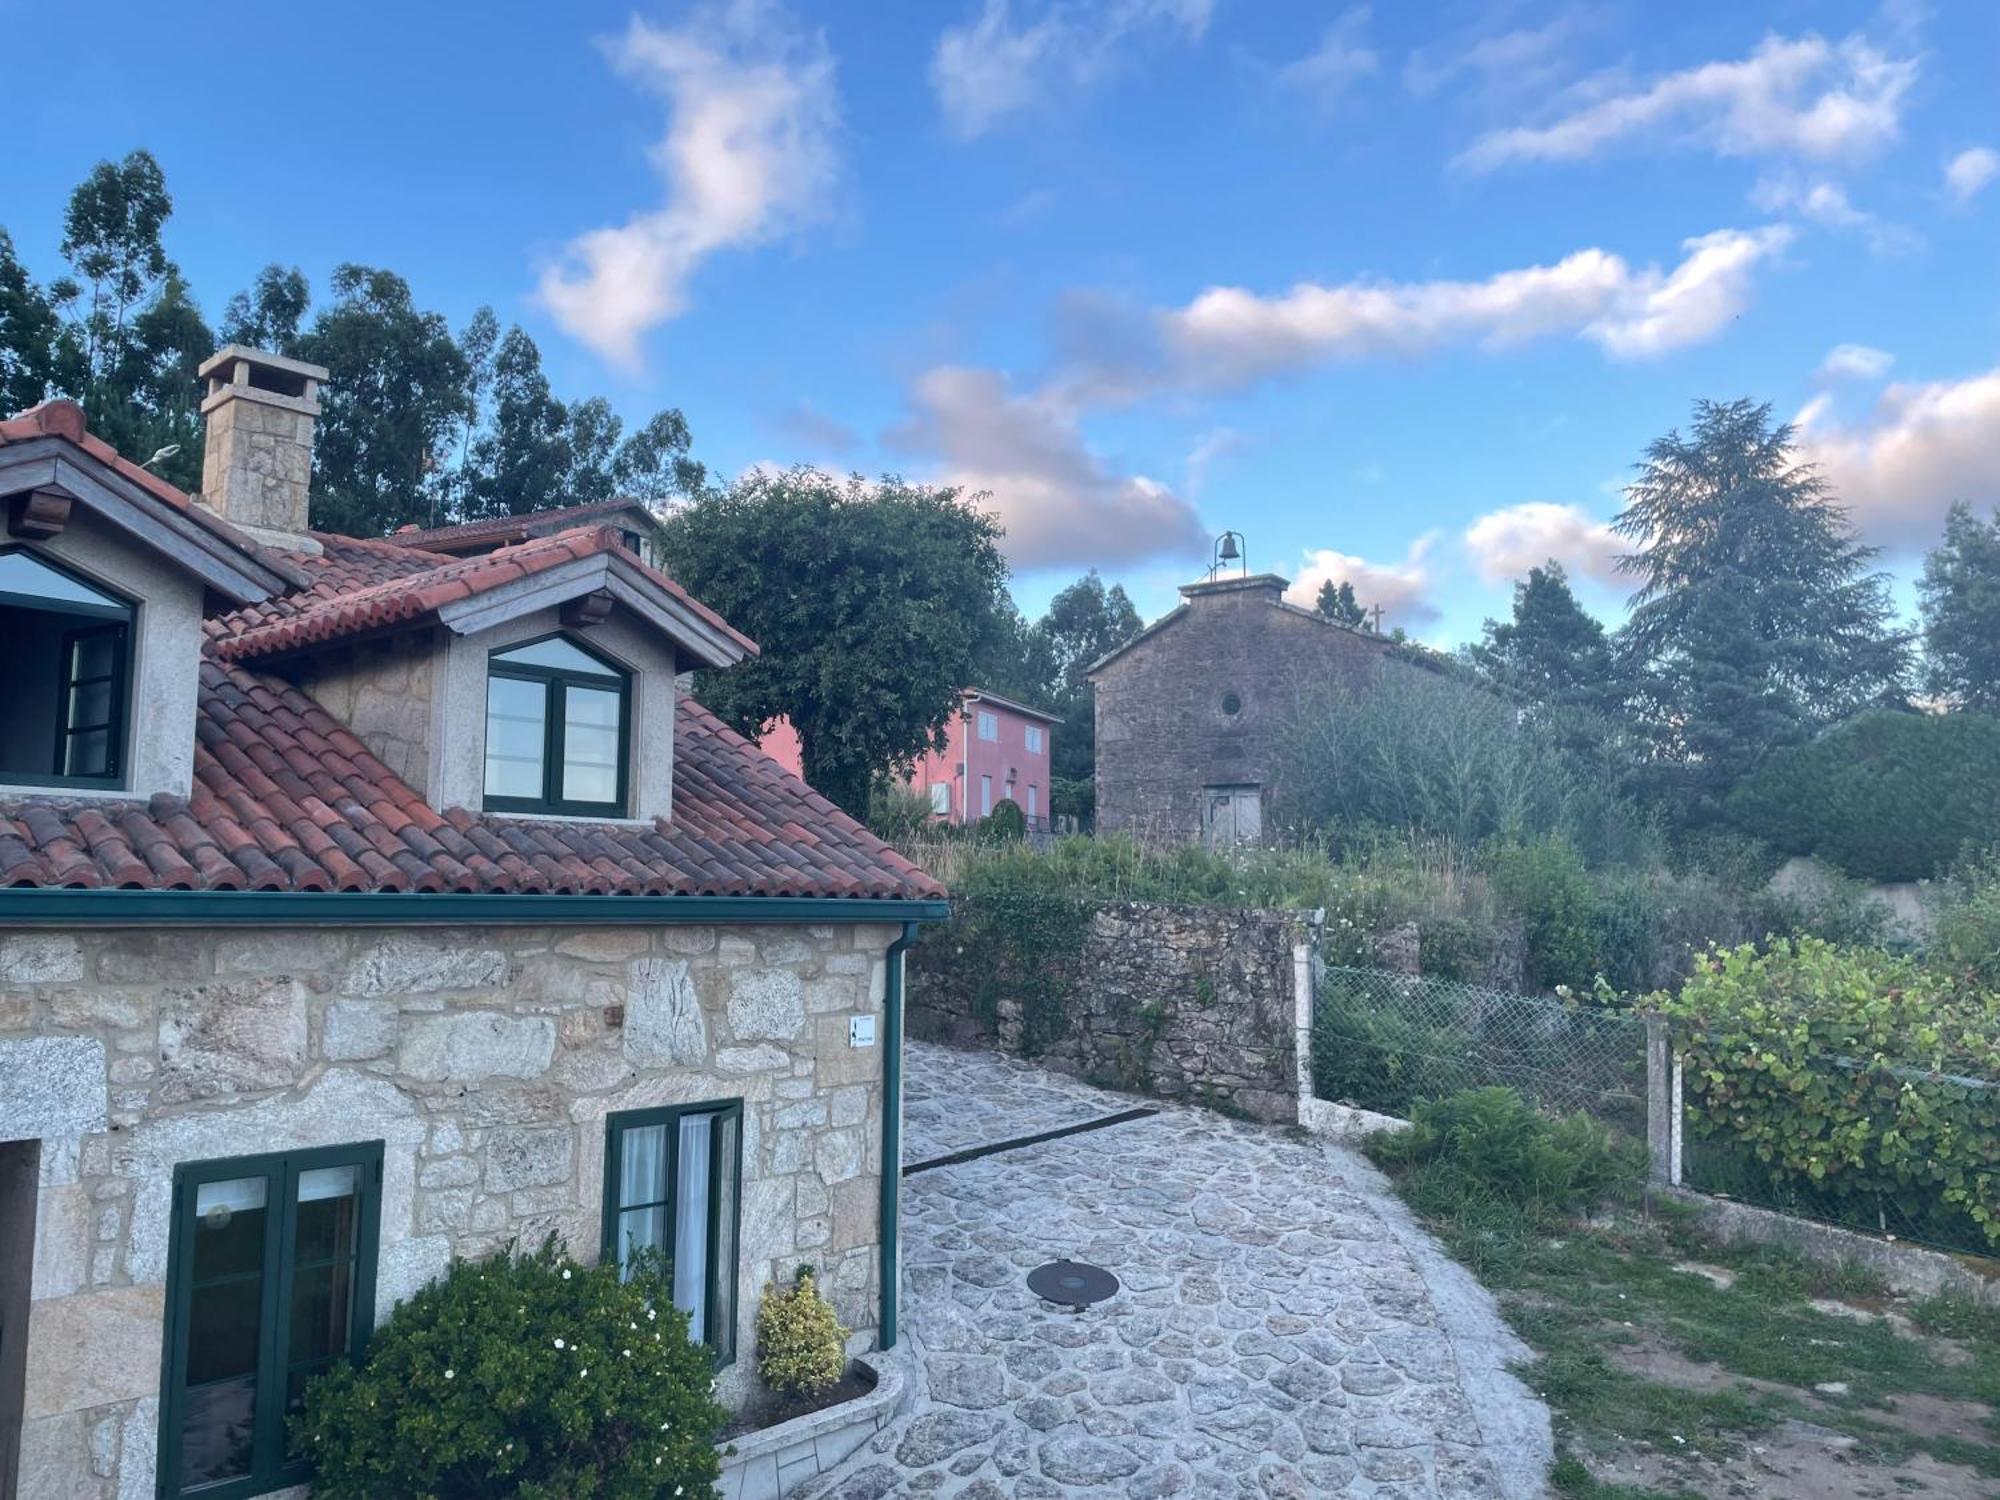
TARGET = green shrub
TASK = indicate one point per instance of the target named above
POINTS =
(1491, 1140)
(1006, 824)
(1967, 938)
(1840, 1073)
(801, 1347)
(1885, 796)
(1455, 946)
(1546, 883)
(525, 1375)
(899, 813)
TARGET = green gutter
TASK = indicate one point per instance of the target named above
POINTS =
(38, 907)
(892, 1132)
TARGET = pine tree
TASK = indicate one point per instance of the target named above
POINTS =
(1339, 604)
(1758, 619)
(1959, 594)
(1552, 651)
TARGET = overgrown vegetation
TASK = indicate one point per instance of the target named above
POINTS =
(1491, 1141)
(1390, 1043)
(1528, 914)
(1411, 750)
(529, 1375)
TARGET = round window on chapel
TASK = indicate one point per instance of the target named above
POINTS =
(1231, 704)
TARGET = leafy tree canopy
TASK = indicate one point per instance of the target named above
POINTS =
(397, 388)
(418, 425)
(871, 603)
(33, 351)
(1959, 594)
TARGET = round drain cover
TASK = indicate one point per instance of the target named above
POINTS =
(1071, 1283)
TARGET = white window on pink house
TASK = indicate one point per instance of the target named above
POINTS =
(1031, 802)
(1034, 739)
(989, 725)
(985, 795)
(941, 798)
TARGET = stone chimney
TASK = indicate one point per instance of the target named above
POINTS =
(260, 409)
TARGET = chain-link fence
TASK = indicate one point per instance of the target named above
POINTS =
(1845, 1153)
(1382, 1040)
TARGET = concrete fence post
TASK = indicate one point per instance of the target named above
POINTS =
(1662, 1124)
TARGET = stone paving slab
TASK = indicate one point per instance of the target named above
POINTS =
(956, 1101)
(1283, 1328)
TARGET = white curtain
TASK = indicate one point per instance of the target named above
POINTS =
(327, 1182)
(691, 1223)
(642, 1178)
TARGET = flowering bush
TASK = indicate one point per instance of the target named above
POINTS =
(526, 1375)
(801, 1347)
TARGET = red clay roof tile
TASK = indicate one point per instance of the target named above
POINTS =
(286, 798)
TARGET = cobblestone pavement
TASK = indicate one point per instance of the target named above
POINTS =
(1283, 1328)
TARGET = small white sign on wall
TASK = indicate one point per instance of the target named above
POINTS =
(861, 1031)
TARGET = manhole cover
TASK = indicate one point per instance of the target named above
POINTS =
(1071, 1283)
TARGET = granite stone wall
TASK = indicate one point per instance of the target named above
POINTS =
(486, 1060)
(1185, 1002)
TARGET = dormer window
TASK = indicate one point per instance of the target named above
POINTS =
(63, 675)
(557, 727)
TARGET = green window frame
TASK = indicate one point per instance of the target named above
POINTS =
(92, 672)
(250, 1319)
(523, 692)
(643, 1153)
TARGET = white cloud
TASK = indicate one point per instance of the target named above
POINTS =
(1402, 589)
(1061, 504)
(1505, 544)
(993, 67)
(1924, 446)
(1217, 443)
(1230, 336)
(1827, 204)
(1810, 98)
(1970, 171)
(1517, 62)
(1855, 362)
(1342, 59)
(748, 155)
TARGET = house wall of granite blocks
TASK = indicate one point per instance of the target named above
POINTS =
(485, 1059)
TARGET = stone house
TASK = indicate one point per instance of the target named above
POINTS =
(363, 905)
(1191, 710)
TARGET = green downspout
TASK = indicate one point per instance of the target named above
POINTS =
(892, 1131)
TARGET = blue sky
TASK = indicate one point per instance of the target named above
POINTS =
(1399, 294)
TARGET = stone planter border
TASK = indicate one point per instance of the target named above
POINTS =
(774, 1461)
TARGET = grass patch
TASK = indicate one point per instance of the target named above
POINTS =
(1605, 1300)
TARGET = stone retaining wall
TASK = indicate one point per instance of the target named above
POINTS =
(1185, 1002)
(486, 1060)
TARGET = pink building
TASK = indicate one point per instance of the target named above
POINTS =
(999, 749)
